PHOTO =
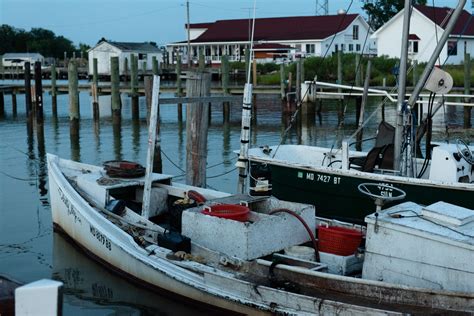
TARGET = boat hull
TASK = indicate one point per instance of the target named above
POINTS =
(335, 193)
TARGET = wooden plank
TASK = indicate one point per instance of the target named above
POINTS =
(216, 99)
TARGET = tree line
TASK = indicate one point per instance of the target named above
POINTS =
(37, 40)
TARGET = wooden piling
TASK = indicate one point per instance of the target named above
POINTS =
(282, 82)
(134, 82)
(38, 93)
(197, 84)
(155, 66)
(225, 87)
(74, 113)
(2, 69)
(363, 105)
(298, 81)
(2, 105)
(54, 97)
(148, 84)
(144, 67)
(179, 90)
(357, 81)
(467, 89)
(125, 69)
(202, 60)
(340, 111)
(115, 88)
(95, 92)
(73, 91)
(28, 102)
(14, 103)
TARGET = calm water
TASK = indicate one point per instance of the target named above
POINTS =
(29, 250)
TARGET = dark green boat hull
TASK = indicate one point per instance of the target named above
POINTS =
(336, 195)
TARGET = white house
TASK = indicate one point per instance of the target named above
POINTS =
(18, 60)
(104, 50)
(426, 26)
(282, 37)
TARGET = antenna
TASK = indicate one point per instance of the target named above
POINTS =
(322, 7)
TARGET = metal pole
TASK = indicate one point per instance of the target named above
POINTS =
(189, 36)
(151, 146)
(402, 75)
(244, 138)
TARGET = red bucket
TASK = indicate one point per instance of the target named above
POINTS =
(338, 240)
(228, 211)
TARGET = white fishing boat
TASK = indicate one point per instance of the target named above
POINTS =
(328, 178)
(252, 266)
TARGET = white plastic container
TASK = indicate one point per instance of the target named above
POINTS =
(300, 252)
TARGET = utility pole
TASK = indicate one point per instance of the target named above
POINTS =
(189, 36)
(322, 7)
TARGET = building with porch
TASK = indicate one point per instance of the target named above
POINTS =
(16, 61)
(427, 24)
(276, 39)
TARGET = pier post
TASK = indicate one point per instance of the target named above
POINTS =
(467, 89)
(340, 111)
(115, 88)
(54, 97)
(148, 85)
(155, 66)
(95, 92)
(144, 67)
(38, 93)
(197, 124)
(225, 87)
(254, 73)
(298, 81)
(179, 91)
(74, 113)
(28, 102)
(125, 69)
(202, 60)
(363, 105)
(282, 82)
(134, 83)
(2, 69)
(357, 80)
(14, 104)
(2, 105)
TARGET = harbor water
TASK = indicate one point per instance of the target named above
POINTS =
(31, 250)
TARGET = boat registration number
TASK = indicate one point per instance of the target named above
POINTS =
(311, 176)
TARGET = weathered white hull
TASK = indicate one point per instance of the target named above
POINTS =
(117, 249)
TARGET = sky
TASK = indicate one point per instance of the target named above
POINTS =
(160, 21)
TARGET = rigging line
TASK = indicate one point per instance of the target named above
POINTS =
(17, 178)
(222, 174)
(251, 41)
(436, 28)
(172, 162)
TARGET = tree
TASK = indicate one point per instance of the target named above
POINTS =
(381, 11)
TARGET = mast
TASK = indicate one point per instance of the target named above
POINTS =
(152, 139)
(242, 162)
(402, 76)
(189, 36)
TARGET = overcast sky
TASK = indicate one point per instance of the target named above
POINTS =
(161, 21)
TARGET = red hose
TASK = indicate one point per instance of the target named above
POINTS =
(310, 233)
(196, 196)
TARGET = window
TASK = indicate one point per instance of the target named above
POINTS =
(336, 48)
(342, 47)
(310, 48)
(351, 47)
(355, 32)
(452, 48)
(358, 47)
(141, 56)
(413, 47)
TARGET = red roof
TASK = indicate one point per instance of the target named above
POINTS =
(413, 37)
(198, 25)
(464, 25)
(270, 46)
(275, 29)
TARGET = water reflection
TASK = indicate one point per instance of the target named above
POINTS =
(117, 135)
(90, 286)
(42, 168)
(136, 138)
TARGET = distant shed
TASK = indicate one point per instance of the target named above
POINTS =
(18, 60)
(106, 49)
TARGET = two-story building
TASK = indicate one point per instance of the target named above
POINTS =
(276, 38)
(427, 24)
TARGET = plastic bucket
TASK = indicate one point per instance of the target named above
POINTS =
(228, 211)
(339, 240)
